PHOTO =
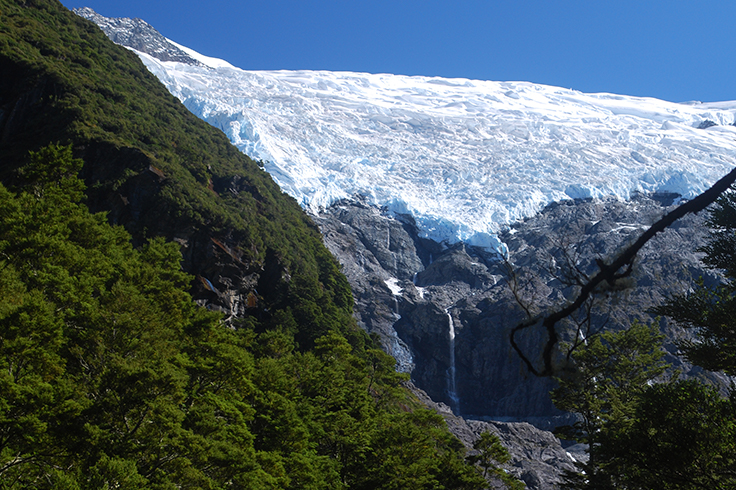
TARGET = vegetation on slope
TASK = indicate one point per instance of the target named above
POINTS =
(110, 375)
(152, 165)
(645, 432)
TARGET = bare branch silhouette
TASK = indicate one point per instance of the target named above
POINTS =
(620, 267)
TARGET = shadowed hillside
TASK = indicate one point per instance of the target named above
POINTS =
(111, 376)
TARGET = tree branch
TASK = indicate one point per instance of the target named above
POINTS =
(610, 273)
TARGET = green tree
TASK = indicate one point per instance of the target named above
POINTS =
(414, 450)
(108, 368)
(612, 371)
(490, 454)
(682, 436)
(710, 312)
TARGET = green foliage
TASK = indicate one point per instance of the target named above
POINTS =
(612, 371)
(682, 436)
(55, 166)
(710, 312)
(490, 454)
(93, 334)
(415, 451)
(111, 377)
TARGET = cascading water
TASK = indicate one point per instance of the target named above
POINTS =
(451, 387)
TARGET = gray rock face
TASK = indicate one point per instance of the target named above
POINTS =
(537, 456)
(446, 312)
(139, 35)
(377, 255)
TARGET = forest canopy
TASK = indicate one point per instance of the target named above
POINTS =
(112, 377)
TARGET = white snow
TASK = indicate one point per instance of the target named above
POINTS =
(206, 60)
(393, 285)
(464, 157)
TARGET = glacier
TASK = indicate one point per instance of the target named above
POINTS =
(465, 158)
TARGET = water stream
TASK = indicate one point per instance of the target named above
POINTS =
(451, 387)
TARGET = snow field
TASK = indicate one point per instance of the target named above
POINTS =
(464, 157)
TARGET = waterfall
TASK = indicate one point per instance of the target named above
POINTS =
(451, 387)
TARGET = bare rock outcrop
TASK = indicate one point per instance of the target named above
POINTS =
(537, 457)
(413, 292)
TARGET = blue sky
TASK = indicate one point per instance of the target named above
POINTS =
(675, 50)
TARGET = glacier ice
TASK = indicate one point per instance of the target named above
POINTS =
(464, 157)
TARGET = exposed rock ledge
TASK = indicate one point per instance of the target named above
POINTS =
(537, 456)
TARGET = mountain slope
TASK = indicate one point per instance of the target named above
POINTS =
(153, 166)
(283, 391)
(397, 169)
(389, 161)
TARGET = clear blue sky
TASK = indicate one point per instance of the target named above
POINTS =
(678, 50)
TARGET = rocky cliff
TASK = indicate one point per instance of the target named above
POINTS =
(445, 313)
(137, 34)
